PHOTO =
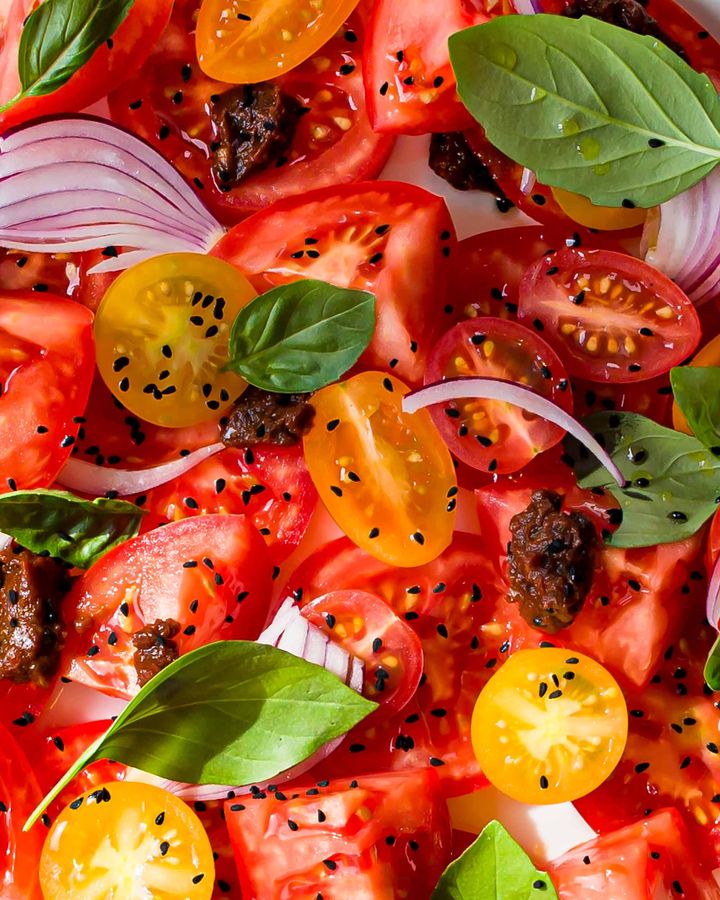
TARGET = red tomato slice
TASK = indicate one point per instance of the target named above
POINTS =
(211, 574)
(47, 360)
(649, 859)
(408, 77)
(19, 851)
(388, 238)
(651, 398)
(381, 836)
(109, 65)
(609, 316)
(56, 273)
(487, 435)
(168, 103)
(367, 627)
(450, 604)
(269, 484)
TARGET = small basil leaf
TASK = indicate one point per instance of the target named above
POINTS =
(589, 107)
(672, 480)
(494, 867)
(712, 667)
(697, 393)
(75, 530)
(60, 36)
(301, 336)
(233, 712)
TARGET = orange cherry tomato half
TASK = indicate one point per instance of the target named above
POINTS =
(245, 41)
(709, 355)
(604, 218)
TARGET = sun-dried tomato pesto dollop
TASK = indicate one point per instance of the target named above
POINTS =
(628, 14)
(155, 648)
(551, 558)
(264, 417)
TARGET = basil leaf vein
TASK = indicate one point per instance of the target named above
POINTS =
(494, 867)
(232, 712)
(580, 101)
(673, 481)
(301, 336)
(697, 393)
(75, 530)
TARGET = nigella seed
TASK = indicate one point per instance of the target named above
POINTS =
(542, 689)
(418, 538)
(544, 784)
(655, 143)
(198, 878)
(677, 516)
(332, 424)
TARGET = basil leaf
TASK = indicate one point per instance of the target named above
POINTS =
(673, 481)
(589, 107)
(712, 667)
(494, 867)
(60, 36)
(301, 336)
(697, 393)
(233, 712)
(75, 530)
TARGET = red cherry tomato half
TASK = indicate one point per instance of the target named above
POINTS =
(487, 434)
(368, 628)
(610, 317)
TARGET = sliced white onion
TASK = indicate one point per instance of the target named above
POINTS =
(517, 395)
(87, 478)
(80, 183)
(712, 606)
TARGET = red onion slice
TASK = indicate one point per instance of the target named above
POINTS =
(87, 478)
(712, 606)
(81, 183)
(527, 7)
(517, 395)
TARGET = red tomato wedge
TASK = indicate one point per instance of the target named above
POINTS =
(112, 62)
(47, 360)
(56, 273)
(388, 238)
(211, 574)
(170, 101)
(610, 317)
(487, 435)
(381, 836)
(367, 628)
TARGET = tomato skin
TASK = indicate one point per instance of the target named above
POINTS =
(572, 289)
(47, 389)
(350, 224)
(352, 838)
(147, 574)
(19, 851)
(107, 67)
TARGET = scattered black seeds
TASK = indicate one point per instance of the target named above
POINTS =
(544, 784)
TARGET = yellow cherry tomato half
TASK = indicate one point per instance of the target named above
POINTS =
(385, 476)
(245, 41)
(603, 218)
(162, 332)
(124, 840)
(709, 355)
(549, 726)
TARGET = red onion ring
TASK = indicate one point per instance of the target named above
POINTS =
(87, 478)
(712, 605)
(517, 395)
(527, 7)
(81, 183)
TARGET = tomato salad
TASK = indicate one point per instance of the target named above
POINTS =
(345, 525)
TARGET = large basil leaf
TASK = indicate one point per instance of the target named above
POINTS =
(589, 107)
(697, 393)
(75, 530)
(301, 336)
(60, 36)
(712, 667)
(233, 712)
(673, 480)
(494, 867)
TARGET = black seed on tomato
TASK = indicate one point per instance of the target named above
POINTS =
(492, 465)
(124, 609)
(442, 630)
(384, 88)
(330, 619)
(410, 616)
(634, 367)
(356, 748)
(293, 826)
(414, 346)
(375, 258)
(553, 695)
(336, 490)
(538, 325)
(93, 651)
(475, 594)
(434, 761)
(418, 537)
(685, 762)
(544, 784)
(112, 639)
(275, 572)
(331, 864)
(198, 878)
(712, 747)
(642, 767)
(388, 385)
(45, 819)
(539, 199)
(287, 496)
(194, 606)
(235, 807)
(76, 804)
(586, 860)
(377, 645)
(634, 584)
(189, 630)
(439, 587)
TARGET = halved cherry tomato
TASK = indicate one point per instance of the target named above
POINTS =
(603, 218)
(388, 238)
(56, 273)
(269, 484)
(488, 435)
(169, 104)
(19, 850)
(368, 628)
(46, 366)
(385, 476)
(244, 41)
(609, 316)
(113, 61)
(383, 836)
(211, 574)
(550, 726)
(124, 839)
(162, 333)
(709, 355)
